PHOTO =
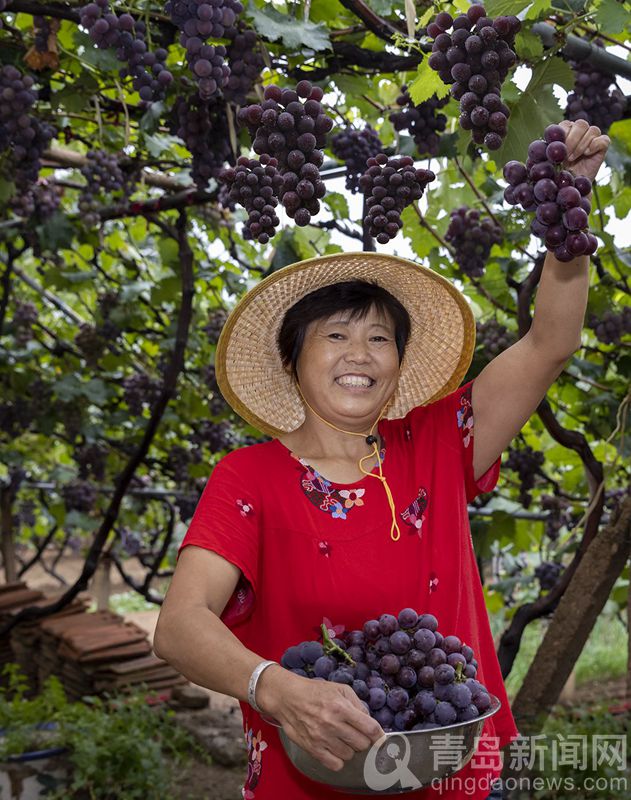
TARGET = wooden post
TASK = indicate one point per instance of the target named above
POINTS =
(7, 543)
(101, 583)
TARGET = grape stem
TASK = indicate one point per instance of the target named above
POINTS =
(429, 228)
(332, 649)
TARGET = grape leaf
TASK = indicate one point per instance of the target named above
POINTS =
(538, 8)
(338, 205)
(294, 33)
(498, 8)
(612, 16)
(426, 84)
(101, 59)
(528, 45)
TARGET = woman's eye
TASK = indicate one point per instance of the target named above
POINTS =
(335, 334)
(383, 338)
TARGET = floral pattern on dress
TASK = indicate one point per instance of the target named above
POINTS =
(413, 514)
(255, 745)
(465, 417)
(324, 548)
(245, 508)
(335, 502)
(433, 582)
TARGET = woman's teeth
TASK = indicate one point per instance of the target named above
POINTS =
(353, 381)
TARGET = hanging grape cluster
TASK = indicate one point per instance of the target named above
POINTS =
(292, 131)
(199, 21)
(91, 459)
(389, 186)
(611, 327)
(493, 337)
(140, 391)
(38, 202)
(558, 198)
(596, 97)
(20, 131)
(548, 574)
(472, 238)
(526, 462)
(256, 184)
(405, 672)
(560, 514)
(24, 317)
(475, 58)
(126, 36)
(203, 127)
(246, 64)
(422, 121)
(79, 495)
(104, 177)
(355, 147)
(214, 326)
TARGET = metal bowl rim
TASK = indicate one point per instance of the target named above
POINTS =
(496, 704)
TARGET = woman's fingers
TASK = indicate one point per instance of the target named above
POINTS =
(584, 143)
(598, 144)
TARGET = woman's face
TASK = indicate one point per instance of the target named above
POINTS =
(348, 369)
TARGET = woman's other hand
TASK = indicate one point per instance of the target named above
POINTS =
(325, 718)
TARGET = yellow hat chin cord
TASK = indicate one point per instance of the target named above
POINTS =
(370, 440)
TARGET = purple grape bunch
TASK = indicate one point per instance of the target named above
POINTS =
(246, 62)
(198, 21)
(610, 327)
(355, 147)
(422, 121)
(390, 185)
(493, 337)
(405, 672)
(475, 59)
(104, 176)
(526, 462)
(291, 126)
(548, 574)
(126, 36)
(24, 134)
(472, 238)
(38, 202)
(559, 516)
(203, 127)
(256, 184)
(593, 98)
(558, 197)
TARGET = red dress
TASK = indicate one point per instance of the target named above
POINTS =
(309, 549)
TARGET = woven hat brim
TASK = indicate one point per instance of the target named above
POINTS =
(248, 367)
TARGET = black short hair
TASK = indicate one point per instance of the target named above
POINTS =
(356, 296)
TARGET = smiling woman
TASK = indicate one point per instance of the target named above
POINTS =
(356, 507)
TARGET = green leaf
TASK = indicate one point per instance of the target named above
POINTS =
(158, 143)
(622, 202)
(294, 34)
(538, 9)
(337, 204)
(101, 59)
(150, 120)
(552, 70)
(56, 233)
(612, 16)
(528, 45)
(426, 84)
(498, 8)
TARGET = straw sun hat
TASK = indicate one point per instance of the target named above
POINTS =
(248, 367)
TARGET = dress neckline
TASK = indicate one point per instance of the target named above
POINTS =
(306, 465)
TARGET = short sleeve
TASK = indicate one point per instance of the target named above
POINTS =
(452, 416)
(227, 521)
